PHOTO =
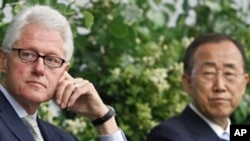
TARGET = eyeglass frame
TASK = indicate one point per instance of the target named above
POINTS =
(215, 75)
(38, 56)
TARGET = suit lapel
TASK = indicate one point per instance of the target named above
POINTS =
(48, 131)
(12, 121)
(201, 130)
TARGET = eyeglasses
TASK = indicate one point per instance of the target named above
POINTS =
(32, 56)
(212, 76)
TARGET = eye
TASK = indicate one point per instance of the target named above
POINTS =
(208, 74)
(28, 54)
(229, 75)
(53, 60)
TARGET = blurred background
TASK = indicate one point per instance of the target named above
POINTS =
(132, 52)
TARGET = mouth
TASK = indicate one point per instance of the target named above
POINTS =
(36, 83)
(219, 100)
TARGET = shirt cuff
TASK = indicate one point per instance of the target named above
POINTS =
(117, 136)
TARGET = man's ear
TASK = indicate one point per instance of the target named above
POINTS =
(67, 67)
(247, 78)
(3, 61)
(186, 82)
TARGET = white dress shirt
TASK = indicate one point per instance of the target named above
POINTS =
(215, 127)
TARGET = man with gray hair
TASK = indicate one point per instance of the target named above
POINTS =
(34, 64)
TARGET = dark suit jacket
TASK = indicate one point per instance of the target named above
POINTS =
(186, 127)
(12, 127)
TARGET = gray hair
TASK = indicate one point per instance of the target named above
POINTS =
(44, 16)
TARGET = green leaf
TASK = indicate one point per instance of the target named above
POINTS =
(131, 14)
(157, 18)
(118, 28)
(89, 19)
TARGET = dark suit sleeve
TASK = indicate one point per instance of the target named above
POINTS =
(158, 134)
(53, 133)
(170, 130)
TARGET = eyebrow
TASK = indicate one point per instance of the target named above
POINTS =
(212, 64)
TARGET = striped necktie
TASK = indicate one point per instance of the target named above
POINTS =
(225, 137)
(31, 123)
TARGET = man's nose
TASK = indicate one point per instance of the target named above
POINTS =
(219, 82)
(39, 66)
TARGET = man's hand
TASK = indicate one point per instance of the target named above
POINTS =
(80, 96)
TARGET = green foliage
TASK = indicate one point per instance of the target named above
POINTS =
(134, 58)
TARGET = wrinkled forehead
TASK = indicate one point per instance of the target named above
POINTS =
(212, 65)
(219, 55)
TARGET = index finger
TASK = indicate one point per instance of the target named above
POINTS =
(65, 76)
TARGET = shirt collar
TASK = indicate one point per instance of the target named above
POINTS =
(16, 106)
(215, 127)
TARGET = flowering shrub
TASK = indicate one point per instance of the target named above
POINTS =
(132, 52)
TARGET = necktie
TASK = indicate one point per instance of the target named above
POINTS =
(31, 123)
(225, 136)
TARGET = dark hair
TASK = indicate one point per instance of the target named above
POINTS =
(209, 38)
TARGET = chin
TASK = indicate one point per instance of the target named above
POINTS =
(37, 99)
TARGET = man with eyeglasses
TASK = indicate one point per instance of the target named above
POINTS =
(32, 56)
(34, 63)
(215, 79)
